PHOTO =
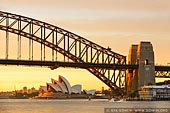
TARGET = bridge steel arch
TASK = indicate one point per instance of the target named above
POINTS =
(72, 47)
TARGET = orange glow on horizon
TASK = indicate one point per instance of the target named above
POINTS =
(113, 23)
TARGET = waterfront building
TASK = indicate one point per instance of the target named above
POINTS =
(153, 92)
(61, 88)
(90, 92)
(62, 85)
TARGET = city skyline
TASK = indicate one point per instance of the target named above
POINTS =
(116, 24)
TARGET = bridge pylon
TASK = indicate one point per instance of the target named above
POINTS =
(142, 55)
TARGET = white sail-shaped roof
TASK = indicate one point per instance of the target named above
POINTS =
(76, 89)
(91, 92)
(62, 87)
(54, 86)
(53, 81)
(66, 83)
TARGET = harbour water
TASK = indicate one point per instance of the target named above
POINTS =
(74, 105)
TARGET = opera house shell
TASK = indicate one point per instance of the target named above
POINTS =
(60, 89)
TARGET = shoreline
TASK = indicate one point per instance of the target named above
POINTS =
(85, 98)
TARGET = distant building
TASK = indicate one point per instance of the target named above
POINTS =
(29, 91)
(24, 90)
(33, 90)
(102, 90)
(153, 92)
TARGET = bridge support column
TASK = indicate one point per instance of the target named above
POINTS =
(143, 55)
(131, 76)
(145, 59)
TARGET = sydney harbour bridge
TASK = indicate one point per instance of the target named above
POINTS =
(27, 41)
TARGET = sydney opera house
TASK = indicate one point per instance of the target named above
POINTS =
(62, 89)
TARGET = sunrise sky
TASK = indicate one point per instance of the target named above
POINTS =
(113, 23)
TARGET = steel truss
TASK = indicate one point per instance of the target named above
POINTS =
(162, 74)
(72, 47)
(162, 71)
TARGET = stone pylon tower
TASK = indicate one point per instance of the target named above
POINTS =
(131, 76)
(145, 59)
(142, 55)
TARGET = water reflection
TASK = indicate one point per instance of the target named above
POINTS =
(80, 106)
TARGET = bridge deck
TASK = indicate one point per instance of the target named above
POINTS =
(66, 64)
(162, 68)
(76, 64)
